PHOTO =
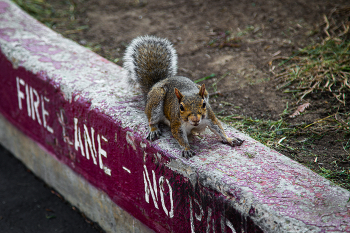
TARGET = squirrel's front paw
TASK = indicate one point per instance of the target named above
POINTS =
(188, 153)
(154, 135)
(233, 141)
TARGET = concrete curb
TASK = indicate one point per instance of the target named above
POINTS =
(86, 129)
(95, 203)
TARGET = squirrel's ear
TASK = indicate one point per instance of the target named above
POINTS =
(178, 94)
(202, 90)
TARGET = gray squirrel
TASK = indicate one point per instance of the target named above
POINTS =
(151, 62)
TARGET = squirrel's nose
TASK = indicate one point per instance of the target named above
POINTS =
(195, 119)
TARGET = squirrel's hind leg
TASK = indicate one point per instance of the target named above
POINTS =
(155, 111)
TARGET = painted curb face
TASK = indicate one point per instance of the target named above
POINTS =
(78, 106)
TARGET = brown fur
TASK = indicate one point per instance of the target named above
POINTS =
(174, 100)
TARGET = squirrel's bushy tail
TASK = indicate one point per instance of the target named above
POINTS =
(148, 60)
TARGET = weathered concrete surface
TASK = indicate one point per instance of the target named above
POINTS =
(78, 107)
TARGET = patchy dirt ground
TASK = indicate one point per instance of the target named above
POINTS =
(244, 69)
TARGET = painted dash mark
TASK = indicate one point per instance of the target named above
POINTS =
(126, 169)
(107, 170)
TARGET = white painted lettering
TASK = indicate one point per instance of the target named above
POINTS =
(77, 138)
(208, 221)
(34, 104)
(63, 124)
(226, 223)
(87, 145)
(107, 170)
(31, 102)
(130, 139)
(191, 215)
(45, 113)
(147, 191)
(29, 110)
(200, 216)
(230, 225)
(143, 145)
(161, 190)
(222, 224)
(149, 188)
(171, 212)
(101, 152)
(153, 190)
(126, 169)
(90, 144)
(20, 94)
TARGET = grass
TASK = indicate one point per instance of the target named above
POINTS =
(324, 67)
(46, 13)
(268, 132)
(336, 176)
(319, 68)
(62, 17)
(204, 78)
(284, 137)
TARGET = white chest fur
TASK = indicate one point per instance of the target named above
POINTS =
(189, 128)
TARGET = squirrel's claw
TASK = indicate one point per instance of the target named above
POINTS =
(154, 135)
(233, 141)
(188, 153)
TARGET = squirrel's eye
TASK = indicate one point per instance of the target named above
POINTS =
(182, 107)
(204, 104)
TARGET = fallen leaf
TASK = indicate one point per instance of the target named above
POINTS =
(50, 216)
(276, 53)
(281, 140)
(300, 109)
